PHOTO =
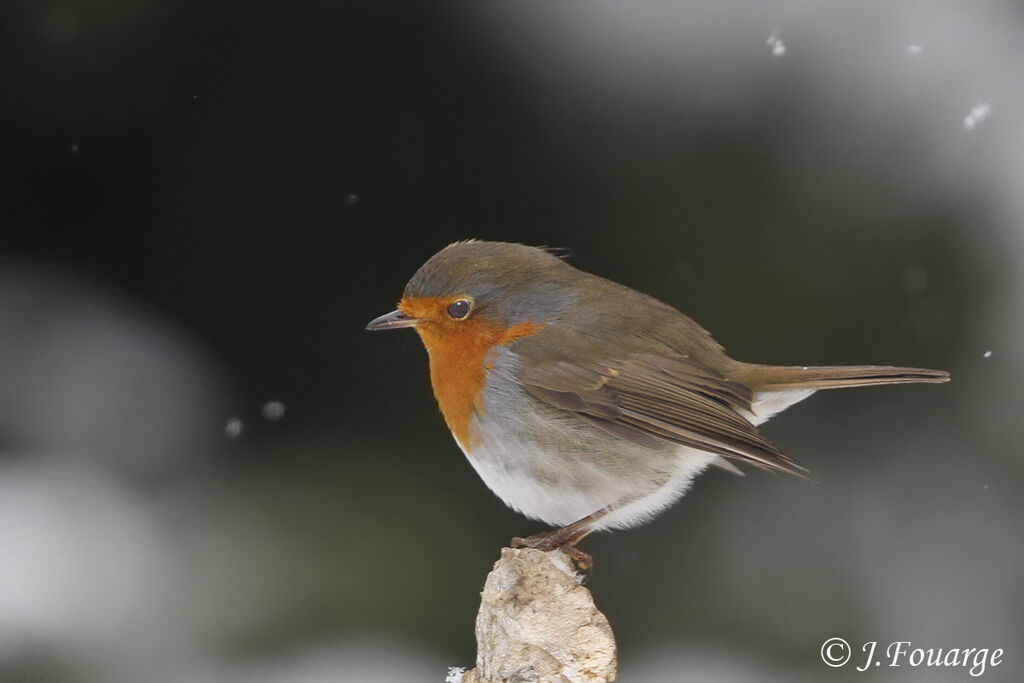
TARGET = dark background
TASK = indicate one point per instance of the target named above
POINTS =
(204, 203)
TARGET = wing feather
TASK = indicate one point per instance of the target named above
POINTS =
(656, 399)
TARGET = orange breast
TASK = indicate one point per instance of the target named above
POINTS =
(458, 352)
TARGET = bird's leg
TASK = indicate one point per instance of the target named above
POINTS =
(567, 537)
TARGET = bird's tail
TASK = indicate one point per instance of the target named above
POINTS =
(786, 378)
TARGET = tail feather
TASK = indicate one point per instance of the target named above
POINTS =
(785, 378)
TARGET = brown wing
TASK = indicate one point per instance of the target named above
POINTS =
(652, 399)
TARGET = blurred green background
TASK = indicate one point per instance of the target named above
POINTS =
(210, 472)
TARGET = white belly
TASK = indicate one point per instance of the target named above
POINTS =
(559, 492)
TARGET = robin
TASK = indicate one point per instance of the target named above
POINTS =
(586, 404)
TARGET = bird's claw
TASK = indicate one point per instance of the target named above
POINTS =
(555, 540)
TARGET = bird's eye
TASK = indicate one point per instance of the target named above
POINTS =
(458, 309)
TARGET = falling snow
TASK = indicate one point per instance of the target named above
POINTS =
(234, 427)
(987, 354)
(977, 114)
(914, 50)
(352, 199)
(778, 48)
(272, 411)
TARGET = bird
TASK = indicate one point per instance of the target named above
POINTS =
(588, 405)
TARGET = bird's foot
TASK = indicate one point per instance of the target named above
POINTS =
(563, 539)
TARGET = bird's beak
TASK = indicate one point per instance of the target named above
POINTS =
(392, 321)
